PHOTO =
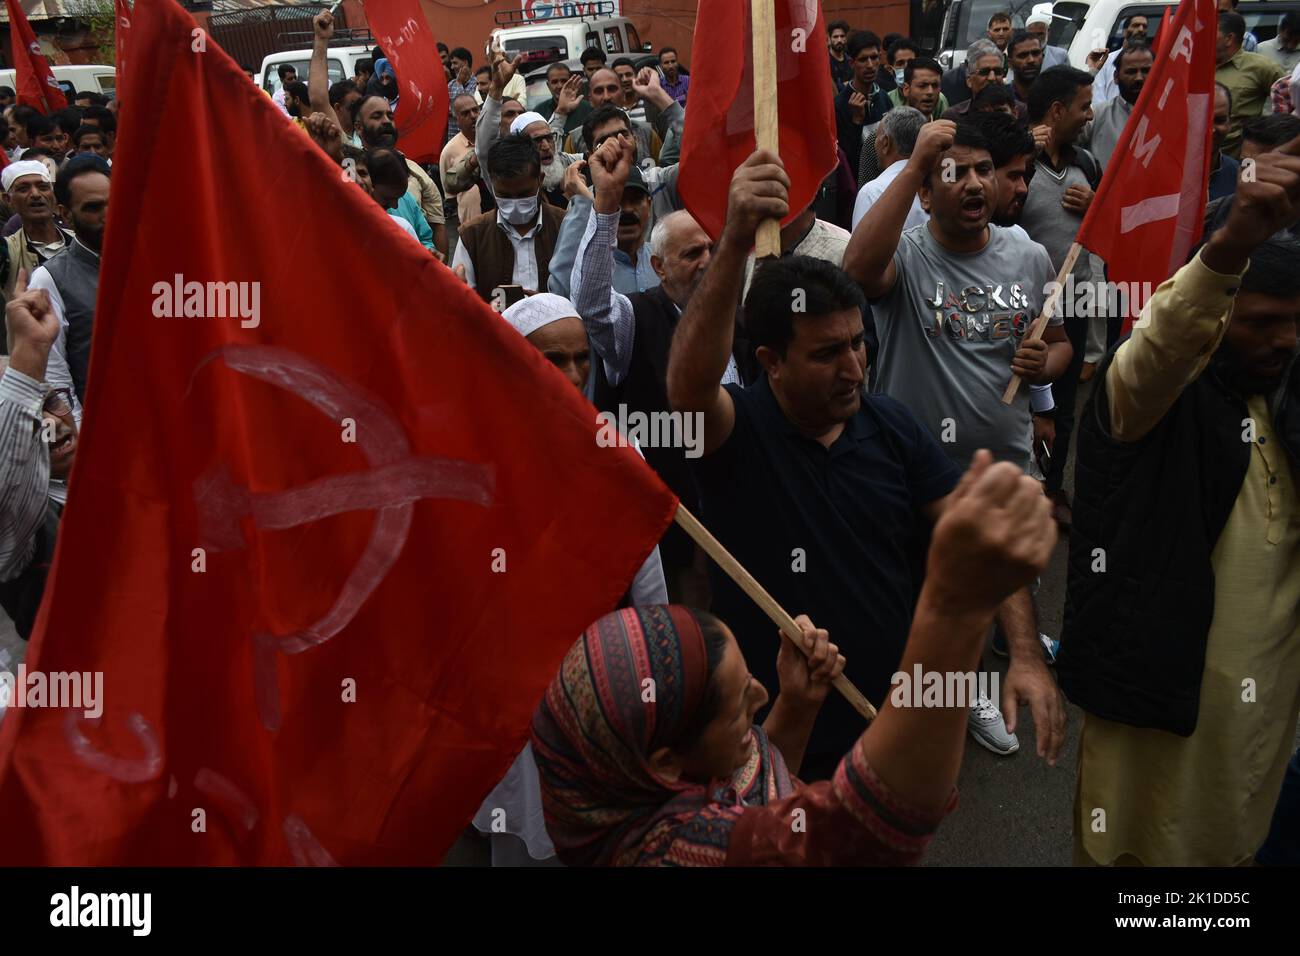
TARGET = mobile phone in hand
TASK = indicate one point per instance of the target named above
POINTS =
(510, 294)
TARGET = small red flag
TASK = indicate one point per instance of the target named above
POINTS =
(719, 133)
(33, 78)
(327, 541)
(122, 27)
(404, 35)
(1149, 209)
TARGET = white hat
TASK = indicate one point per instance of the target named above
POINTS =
(1041, 13)
(26, 167)
(525, 120)
(535, 311)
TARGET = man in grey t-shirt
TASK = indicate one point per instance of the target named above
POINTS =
(956, 298)
(949, 330)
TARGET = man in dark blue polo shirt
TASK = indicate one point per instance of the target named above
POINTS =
(824, 494)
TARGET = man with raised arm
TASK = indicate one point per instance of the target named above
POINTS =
(1182, 636)
(631, 334)
(953, 300)
(823, 493)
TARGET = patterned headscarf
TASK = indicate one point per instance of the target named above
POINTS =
(594, 731)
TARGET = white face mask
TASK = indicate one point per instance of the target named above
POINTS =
(517, 212)
(898, 75)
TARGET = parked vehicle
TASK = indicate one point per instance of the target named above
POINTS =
(545, 37)
(341, 61)
(77, 78)
(965, 21)
(1084, 25)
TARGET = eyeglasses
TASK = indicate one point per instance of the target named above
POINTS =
(58, 402)
(544, 138)
(992, 71)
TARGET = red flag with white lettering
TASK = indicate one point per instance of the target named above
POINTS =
(422, 109)
(1148, 212)
(329, 534)
(719, 133)
(33, 79)
(122, 26)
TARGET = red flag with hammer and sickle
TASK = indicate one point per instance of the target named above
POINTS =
(33, 78)
(331, 529)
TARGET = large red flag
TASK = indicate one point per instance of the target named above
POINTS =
(327, 550)
(403, 34)
(121, 28)
(33, 78)
(719, 132)
(1149, 209)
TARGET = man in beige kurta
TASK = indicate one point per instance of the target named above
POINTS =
(1146, 796)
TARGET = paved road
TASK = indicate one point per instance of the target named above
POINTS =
(1015, 811)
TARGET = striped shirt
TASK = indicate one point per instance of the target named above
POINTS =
(608, 314)
(24, 470)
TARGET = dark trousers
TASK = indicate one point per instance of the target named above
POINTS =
(1282, 848)
(1064, 390)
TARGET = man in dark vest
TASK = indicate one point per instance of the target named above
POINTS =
(1182, 615)
(72, 277)
(631, 335)
(513, 245)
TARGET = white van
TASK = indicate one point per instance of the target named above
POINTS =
(77, 78)
(965, 21)
(340, 61)
(547, 32)
(1084, 25)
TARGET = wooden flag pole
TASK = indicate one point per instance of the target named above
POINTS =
(766, 123)
(1040, 323)
(691, 525)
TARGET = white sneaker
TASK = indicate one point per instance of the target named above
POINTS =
(989, 729)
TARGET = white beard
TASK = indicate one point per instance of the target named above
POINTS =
(553, 175)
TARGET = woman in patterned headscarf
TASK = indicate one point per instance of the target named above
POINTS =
(630, 727)
(647, 750)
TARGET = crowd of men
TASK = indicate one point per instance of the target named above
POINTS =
(834, 433)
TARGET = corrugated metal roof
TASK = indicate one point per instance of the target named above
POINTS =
(51, 9)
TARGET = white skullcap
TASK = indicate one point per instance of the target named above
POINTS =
(26, 167)
(1041, 13)
(525, 120)
(535, 311)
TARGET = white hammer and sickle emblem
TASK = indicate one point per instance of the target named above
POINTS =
(395, 481)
